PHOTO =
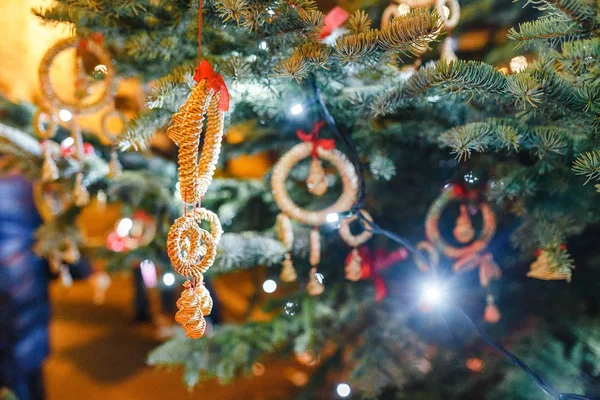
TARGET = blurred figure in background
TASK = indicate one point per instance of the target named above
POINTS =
(24, 303)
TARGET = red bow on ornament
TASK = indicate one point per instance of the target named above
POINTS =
(71, 150)
(333, 20)
(96, 37)
(215, 82)
(374, 262)
(460, 189)
(313, 137)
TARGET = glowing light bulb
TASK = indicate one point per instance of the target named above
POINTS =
(68, 142)
(333, 217)
(65, 115)
(269, 286)
(168, 279)
(297, 109)
(270, 11)
(433, 294)
(343, 390)
(263, 45)
(124, 227)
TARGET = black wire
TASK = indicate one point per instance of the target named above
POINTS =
(377, 230)
(355, 158)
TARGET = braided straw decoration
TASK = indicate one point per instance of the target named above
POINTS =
(433, 233)
(285, 234)
(38, 126)
(348, 237)
(315, 247)
(195, 176)
(314, 286)
(77, 107)
(291, 209)
(288, 273)
(185, 261)
(190, 314)
(353, 268)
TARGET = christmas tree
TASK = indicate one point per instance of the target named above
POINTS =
(506, 128)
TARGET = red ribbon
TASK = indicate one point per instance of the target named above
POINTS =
(373, 263)
(539, 251)
(71, 151)
(334, 19)
(96, 37)
(461, 191)
(215, 82)
(313, 137)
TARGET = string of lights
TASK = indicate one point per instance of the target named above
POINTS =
(378, 230)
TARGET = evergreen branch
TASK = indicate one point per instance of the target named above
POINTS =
(525, 89)
(466, 78)
(356, 47)
(141, 129)
(247, 250)
(550, 31)
(410, 33)
(582, 11)
(549, 140)
(359, 22)
(588, 164)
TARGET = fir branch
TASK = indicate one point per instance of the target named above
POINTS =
(548, 141)
(356, 47)
(247, 250)
(525, 89)
(546, 31)
(588, 164)
(141, 129)
(359, 22)
(582, 11)
(411, 33)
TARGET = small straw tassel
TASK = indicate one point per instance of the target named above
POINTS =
(193, 305)
(353, 268)
(285, 234)
(81, 196)
(314, 287)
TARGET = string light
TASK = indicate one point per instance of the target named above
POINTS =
(269, 286)
(333, 217)
(65, 115)
(432, 294)
(168, 279)
(263, 45)
(68, 142)
(343, 390)
(297, 109)
(124, 227)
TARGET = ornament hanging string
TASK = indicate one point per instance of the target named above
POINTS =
(376, 229)
(205, 71)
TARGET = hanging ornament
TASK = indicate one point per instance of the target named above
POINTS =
(195, 303)
(353, 261)
(191, 249)
(323, 149)
(545, 268)
(285, 234)
(49, 169)
(316, 181)
(81, 196)
(463, 230)
(84, 103)
(470, 256)
(353, 268)
(315, 285)
(114, 166)
(100, 283)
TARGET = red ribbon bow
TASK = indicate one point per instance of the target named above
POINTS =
(96, 37)
(334, 19)
(215, 82)
(374, 262)
(461, 191)
(313, 137)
